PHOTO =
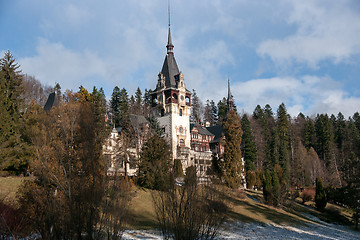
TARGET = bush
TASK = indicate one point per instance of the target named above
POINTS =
(250, 179)
(178, 170)
(12, 223)
(320, 196)
(308, 195)
(190, 211)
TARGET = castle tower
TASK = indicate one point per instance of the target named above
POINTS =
(172, 106)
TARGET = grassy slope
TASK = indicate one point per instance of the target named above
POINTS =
(242, 208)
(246, 209)
(8, 187)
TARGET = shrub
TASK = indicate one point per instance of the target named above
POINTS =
(250, 179)
(12, 223)
(308, 195)
(178, 170)
(320, 196)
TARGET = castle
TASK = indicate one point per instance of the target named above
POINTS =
(192, 144)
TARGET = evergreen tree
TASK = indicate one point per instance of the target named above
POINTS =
(249, 150)
(124, 110)
(147, 102)
(178, 170)
(283, 134)
(195, 108)
(210, 112)
(153, 171)
(11, 107)
(268, 112)
(339, 130)
(309, 134)
(267, 187)
(258, 113)
(132, 107)
(115, 106)
(214, 112)
(324, 137)
(138, 101)
(98, 104)
(222, 110)
(231, 164)
(356, 118)
(320, 196)
(276, 188)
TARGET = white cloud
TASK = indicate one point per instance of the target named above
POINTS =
(325, 30)
(55, 63)
(307, 94)
(75, 15)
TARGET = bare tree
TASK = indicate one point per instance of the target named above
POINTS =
(190, 211)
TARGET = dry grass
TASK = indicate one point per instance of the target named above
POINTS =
(244, 206)
(8, 188)
(142, 214)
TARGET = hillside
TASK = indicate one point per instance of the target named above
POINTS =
(248, 218)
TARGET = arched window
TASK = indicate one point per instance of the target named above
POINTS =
(182, 142)
(174, 96)
(180, 113)
(162, 112)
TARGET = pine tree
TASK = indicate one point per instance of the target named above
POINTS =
(115, 106)
(124, 110)
(11, 107)
(177, 169)
(138, 101)
(309, 134)
(207, 113)
(153, 171)
(210, 112)
(283, 132)
(320, 196)
(147, 103)
(231, 165)
(196, 105)
(324, 137)
(249, 150)
(222, 110)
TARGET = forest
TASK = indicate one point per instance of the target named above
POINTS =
(63, 150)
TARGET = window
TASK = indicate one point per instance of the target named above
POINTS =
(182, 142)
(162, 112)
(181, 112)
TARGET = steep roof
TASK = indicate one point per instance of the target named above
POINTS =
(170, 70)
(217, 130)
(202, 129)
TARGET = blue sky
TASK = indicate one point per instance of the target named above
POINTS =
(303, 53)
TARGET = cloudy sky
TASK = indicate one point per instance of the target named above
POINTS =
(303, 53)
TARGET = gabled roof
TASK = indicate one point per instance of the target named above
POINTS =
(202, 129)
(50, 102)
(217, 130)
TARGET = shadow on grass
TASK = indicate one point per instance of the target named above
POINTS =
(140, 221)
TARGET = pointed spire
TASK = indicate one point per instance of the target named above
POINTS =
(230, 100)
(169, 45)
